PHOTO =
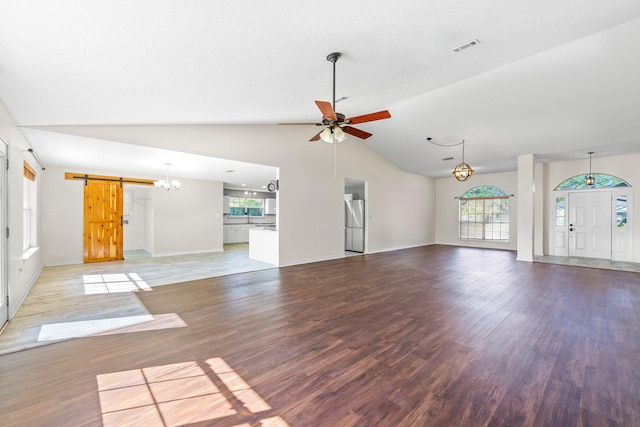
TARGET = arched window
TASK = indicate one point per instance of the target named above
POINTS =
(484, 214)
(579, 182)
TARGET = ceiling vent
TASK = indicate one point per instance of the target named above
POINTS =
(473, 42)
(447, 158)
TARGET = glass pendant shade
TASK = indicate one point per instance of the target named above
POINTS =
(331, 135)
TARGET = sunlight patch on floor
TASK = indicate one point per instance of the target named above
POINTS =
(95, 284)
(180, 394)
(83, 328)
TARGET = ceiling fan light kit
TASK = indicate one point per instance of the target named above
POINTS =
(333, 134)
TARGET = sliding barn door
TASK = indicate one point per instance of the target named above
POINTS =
(103, 221)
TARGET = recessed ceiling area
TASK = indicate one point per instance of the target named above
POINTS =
(82, 153)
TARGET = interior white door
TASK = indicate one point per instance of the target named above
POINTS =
(4, 282)
(590, 224)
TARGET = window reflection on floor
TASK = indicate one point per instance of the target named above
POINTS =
(113, 283)
(179, 394)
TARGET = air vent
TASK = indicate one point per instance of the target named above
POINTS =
(447, 158)
(473, 42)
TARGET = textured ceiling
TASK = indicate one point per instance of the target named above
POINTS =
(548, 77)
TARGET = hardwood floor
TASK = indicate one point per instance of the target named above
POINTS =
(433, 336)
(83, 299)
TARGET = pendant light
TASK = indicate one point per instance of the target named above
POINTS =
(167, 184)
(590, 180)
(463, 171)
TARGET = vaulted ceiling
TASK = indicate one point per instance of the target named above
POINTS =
(556, 79)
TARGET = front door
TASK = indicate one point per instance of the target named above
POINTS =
(590, 224)
(103, 202)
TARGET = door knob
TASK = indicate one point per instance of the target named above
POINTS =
(571, 229)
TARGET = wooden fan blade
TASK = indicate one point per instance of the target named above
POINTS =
(300, 124)
(369, 117)
(316, 137)
(356, 132)
(327, 110)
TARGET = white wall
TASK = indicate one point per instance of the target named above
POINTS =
(62, 238)
(447, 208)
(400, 205)
(149, 235)
(624, 167)
(186, 221)
(135, 226)
(189, 220)
(22, 272)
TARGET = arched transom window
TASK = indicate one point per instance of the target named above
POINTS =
(484, 214)
(579, 182)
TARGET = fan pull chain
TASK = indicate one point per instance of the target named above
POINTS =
(335, 156)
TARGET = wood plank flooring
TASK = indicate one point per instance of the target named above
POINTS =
(430, 336)
(77, 300)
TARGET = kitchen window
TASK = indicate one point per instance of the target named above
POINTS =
(484, 214)
(245, 207)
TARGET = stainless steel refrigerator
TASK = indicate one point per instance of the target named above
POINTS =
(354, 225)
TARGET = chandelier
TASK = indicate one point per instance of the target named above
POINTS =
(463, 171)
(167, 184)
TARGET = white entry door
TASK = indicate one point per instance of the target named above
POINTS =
(590, 224)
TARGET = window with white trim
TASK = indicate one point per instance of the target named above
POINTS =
(484, 214)
(245, 206)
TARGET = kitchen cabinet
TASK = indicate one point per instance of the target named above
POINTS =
(236, 233)
(269, 206)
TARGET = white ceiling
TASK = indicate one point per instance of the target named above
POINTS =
(552, 78)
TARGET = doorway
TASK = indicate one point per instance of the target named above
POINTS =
(354, 217)
(593, 224)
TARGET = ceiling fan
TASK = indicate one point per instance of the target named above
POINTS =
(337, 125)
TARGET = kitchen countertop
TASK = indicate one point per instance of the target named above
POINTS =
(257, 224)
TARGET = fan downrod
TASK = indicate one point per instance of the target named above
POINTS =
(333, 57)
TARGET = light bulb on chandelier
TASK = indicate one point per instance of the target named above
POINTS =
(167, 184)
